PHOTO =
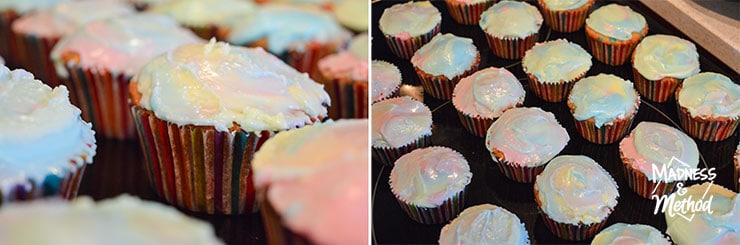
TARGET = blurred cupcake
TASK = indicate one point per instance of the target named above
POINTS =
(709, 106)
(352, 14)
(202, 110)
(654, 146)
(718, 225)
(443, 61)
(99, 59)
(511, 28)
(399, 125)
(345, 76)
(484, 224)
(481, 98)
(467, 12)
(553, 67)
(603, 107)
(523, 140)
(613, 31)
(317, 191)
(565, 16)
(9, 12)
(431, 197)
(737, 167)
(385, 82)
(575, 197)
(206, 17)
(44, 144)
(621, 233)
(661, 63)
(408, 26)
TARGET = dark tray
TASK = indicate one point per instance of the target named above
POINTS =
(391, 225)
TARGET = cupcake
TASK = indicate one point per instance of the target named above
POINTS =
(44, 144)
(603, 107)
(9, 12)
(511, 28)
(484, 224)
(317, 191)
(443, 61)
(99, 59)
(430, 183)
(709, 106)
(408, 26)
(481, 98)
(352, 14)
(467, 12)
(345, 76)
(737, 168)
(121, 220)
(553, 67)
(202, 110)
(385, 81)
(661, 63)
(565, 16)
(399, 125)
(575, 196)
(717, 225)
(613, 31)
(621, 233)
(205, 17)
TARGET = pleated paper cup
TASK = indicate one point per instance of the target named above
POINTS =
(276, 232)
(8, 47)
(63, 185)
(566, 21)
(406, 47)
(349, 98)
(389, 155)
(610, 51)
(660, 90)
(509, 47)
(467, 13)
(566, 231)
(478, 125)
(440, 86)
(639, 182)
(551, 91)
(514, 171)
(706, 129)
(448, 210)
(34, 54)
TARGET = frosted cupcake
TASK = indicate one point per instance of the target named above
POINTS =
(431, 197)
(205, 17)
(345, 76)
(661, 63)
(481, 98)
(721, 226)
(443, 61)
(484, 224)
(9, 12)
(621, 233)
(565, 16)
(352, 14)
(386, 81)
(203, 110)
(523, 140)
(44, 144)
(511, 28)
(613, 31)
(408, 26)
(603, 107)
(553, 68)
(575, 197)
(467, 12)
(709, 106)
(399, 125)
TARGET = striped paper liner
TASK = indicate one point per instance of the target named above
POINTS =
(275, 231)
(711, 129)
(389, 155)
(348, 98)
(521, 174)
(566, 21)
(552, 91)
(440, 86)
(64, 185)
(34, 53)
(569, 232)
(659, 91)
(8, 48)
(607, 133)
(611, 51)
(640, 183)
(466, 13)
(308, 59)
(406, 47)
(448, 210)
(475, 125)
(511, 48)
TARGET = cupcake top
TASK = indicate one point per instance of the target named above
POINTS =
(527, 137)
(409, 19)
(121, 45)
(399, 121)
(446, 55)
(352, 14)
(576, 189)
(616, 21)
(621, 233)
(350, 63)
(64, 18)
(484, 224)
(426, 177)
(511, 19)
(556, 61)
(219, 85)
(42, 131)
(562, 5)
(121, 220)
(653, 144)
(386, 78)
(722, 226)
(287, 27)
(25, 6)
(709, 94)
(659, 56)
(202, 13)
(488, 93)
(603, 97)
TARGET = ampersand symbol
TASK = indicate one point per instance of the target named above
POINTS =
(681, 190)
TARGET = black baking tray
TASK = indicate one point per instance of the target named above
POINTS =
(390, 225)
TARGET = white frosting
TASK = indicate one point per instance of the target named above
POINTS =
(352, 14)
(42, 131)
(626, 234)
(561, 5)
(654, 144)
(386, 78)
(349, 64)
(709, 94)
(409, 19)
(426, 177)
(199, 13)
(616, 21)
(446, 55)
(484, 224)
(117, 221)
(471, 1)
(555, 61)
(527, 136)
(603, 97)
(399, 121)
(64, 18)
(217, 85)
(658, 56)
(487, 93)
(576, 190)
(722, 226)
(507, 19)
(24, 6)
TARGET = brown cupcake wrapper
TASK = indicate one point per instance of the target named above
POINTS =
(467, 14)
(349, 98)
(445, 212)
(308, 60)
(552, 92)
(276, 232)
(389, 155)
(34, 54)
(440, 86)
(643, 186)
(405, 48)
(612, 52)
(475, 125)
(64, 185)
(706, 129)
(606, 134)
(511, 48)
(8, 47)
(569, 232)
(566, 21)
(521, 174)
(659, 91)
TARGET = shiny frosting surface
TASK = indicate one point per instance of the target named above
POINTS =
(604, 98)
(349, 64)
(409, 19)
(658, 56)
(722, 226)
(710, 94)
(616, 21)
(399, 121)
(200, 13)
(488, 92)
(65, 17)
(446, 55)
(511, 19)
(555, 61)
(426, 177)
(352, 14)
(527, 136)
(627, 234)
(24, 6)
(386, 78)
(654, 144)
(484, 224)
(560, 5)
